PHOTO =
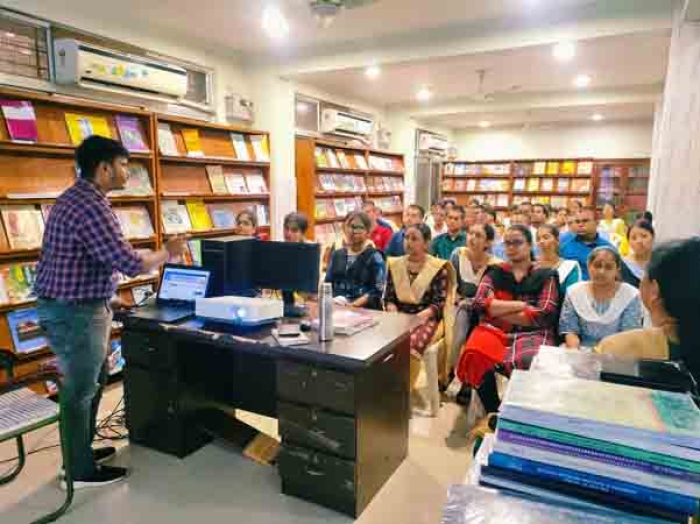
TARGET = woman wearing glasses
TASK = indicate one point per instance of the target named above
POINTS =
(519, 306)
(357, 270)
(247, 224)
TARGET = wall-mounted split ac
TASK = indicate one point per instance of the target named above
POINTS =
(346, 124)
(93, 67)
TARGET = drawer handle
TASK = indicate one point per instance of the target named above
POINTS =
(388, 358)
(315, 473)
(151, 349)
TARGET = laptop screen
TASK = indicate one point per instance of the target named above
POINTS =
(183, 284)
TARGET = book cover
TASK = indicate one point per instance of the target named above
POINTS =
(580, 185)
(215, 174)
(320, 210)
(195, 247)
(223, 215)
(236, 183)
(321, 160)
(547, 185)
(263, 213)
(340, 207)
(523, 170)
(552, 168)
(343, 159)
(81, 127)
(130, 132)
(138, 183)
(141, 293)
(449, 169)
(115, 358)
(519, 184)
(563, 185)
(27, 335)
(461, 185)
(261, 147)
(193, 144)
(199, 217)
(256, 183)
(361, 161)
(627, 490)
(502, 201)
(533, 184)
(585, 168)
(166, 140)
(396, 165)
(330, 208)
(135, 221)
(360, 184)
(539, 168)
(24, 226)
(175, 217)
(332, 159)
(447, 184)
(240, 146)
(18, 282)
(558, 201)
(20, 119)
(471, 184)
(568, 167)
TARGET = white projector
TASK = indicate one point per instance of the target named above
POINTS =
(240, 310)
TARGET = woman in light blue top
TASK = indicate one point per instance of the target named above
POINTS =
(601, 307)
(568, 270)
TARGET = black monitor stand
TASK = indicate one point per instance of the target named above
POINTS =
(291, 310)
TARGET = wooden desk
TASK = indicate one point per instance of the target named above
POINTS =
(343, 406)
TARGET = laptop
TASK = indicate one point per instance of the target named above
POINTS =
(180, 286)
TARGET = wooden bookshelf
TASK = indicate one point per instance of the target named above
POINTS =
(334, 178)
(182, 177)
(625, 183)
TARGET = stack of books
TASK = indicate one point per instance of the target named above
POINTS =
(564, 438)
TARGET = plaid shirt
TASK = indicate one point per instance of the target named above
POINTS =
(83, 247)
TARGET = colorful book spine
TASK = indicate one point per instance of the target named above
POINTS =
(627, 490)
(20, 119)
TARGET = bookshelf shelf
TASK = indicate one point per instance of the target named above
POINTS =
(221, 198)
(376, 172)
(479, 177)
(341, 170)
(475, 192)
(384, 193)
(212, 161)
(343, 194)
(567, 177)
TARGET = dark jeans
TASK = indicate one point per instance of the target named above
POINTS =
(78, 334)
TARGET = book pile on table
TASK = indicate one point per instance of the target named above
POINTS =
(587, 443)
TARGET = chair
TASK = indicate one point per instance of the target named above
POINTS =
(23, 411)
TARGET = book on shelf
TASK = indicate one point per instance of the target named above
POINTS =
(397, 164)
(449, 169)
(332, 159)
(343, 159)
(195, 248)
(261, 147)
(166, 140)
(563, 185)
(199, 217)
(490, 199)
(81, 127)
(568, 167)
(141, 293)
(585, 168)
(580, 185)
(135, 221)
(533, 184)
(558, 201)
(240, 146)
(223, 215)
(539, 168)
(502, 201)
(328, 182)
(115, 357)
(553, 168)
(523, 170)
(24, 226)
(320, 210)
(256, 183)
(360, 184)
(138, 183)
(472, 184)
(330, 208)
(340, 207)
(361, 161)
(321, 160)
(547, 185)
(193, 145)
(46, 211)
(27, 335)
(175, 217)
(496, 169)
(262, 211)
(236, 183)
(461, 185)
(20, 119)
(447, 184)
(131, 134)
(324, 234)
(519, 184)
(215, 174)
(17, 282)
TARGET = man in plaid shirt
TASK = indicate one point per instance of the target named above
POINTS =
(83, 248)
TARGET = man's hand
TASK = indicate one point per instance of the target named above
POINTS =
(176, 246)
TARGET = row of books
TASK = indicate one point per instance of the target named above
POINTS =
(563, 185)
(336, 183)
(385, 163)
(494, 200)
(328, 233)
(193, 144)
(385, 183)
(336, 207)
(339, 159)
(568, 437)
(477, 169)
(236, 182)
(389, 204)
(554, 168)
(555, 202)
(475, 184)
(195, 215)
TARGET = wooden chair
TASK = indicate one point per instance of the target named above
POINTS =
(23, 411)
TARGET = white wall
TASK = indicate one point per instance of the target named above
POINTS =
(613, 140)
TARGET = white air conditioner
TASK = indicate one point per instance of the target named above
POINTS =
(346, 124)
(431, 142)
(90, 66)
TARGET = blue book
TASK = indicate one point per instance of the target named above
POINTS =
(627, 490)
(27, 335)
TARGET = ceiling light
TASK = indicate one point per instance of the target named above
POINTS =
(564, 51)
(274, 22)
(582, 81)
(8, 34)
(424, 94)
(325, 12)
(373, 72)
(484, 124)
(597, 117)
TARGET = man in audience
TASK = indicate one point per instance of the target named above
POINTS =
(526, 208)
(437, 220)
(83, 246)
(295, 227)
(412, 216)
(539, 216)
(470, 214)
(443, 245)
(519, 218)
(380, 234)
(585, 240)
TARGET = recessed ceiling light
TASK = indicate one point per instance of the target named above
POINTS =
(274, 22)
(582, 81)
(597, 117)
(484, 124)
(373, 72)
(424, 94)
(564, 51)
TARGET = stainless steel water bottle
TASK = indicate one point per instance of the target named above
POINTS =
(325, 312)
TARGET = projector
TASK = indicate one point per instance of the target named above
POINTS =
(240, 310)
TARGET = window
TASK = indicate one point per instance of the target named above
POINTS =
(24, 47)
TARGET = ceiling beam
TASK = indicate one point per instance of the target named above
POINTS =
(691, 11)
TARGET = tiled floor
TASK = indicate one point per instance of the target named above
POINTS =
(218, 484)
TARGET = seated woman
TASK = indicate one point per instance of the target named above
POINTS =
(247, 224)
(670, 291)
(470, 264)
(295, 227)
(518, 305)
(357, 270)
(641, 239)
(614, 229)
(548, 242)
(602, 307)
(422, 285)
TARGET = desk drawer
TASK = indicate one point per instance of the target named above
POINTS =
(319, 387)
(152, 350)
(317, 429)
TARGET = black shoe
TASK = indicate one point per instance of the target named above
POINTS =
(103, 476)
(102, 454)
(464, 396)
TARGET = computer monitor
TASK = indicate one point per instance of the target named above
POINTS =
(230, 260)
(286, 266)
(183, 283)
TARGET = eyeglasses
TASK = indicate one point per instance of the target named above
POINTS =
(356, 227)
(513, 243)
(582, 221)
